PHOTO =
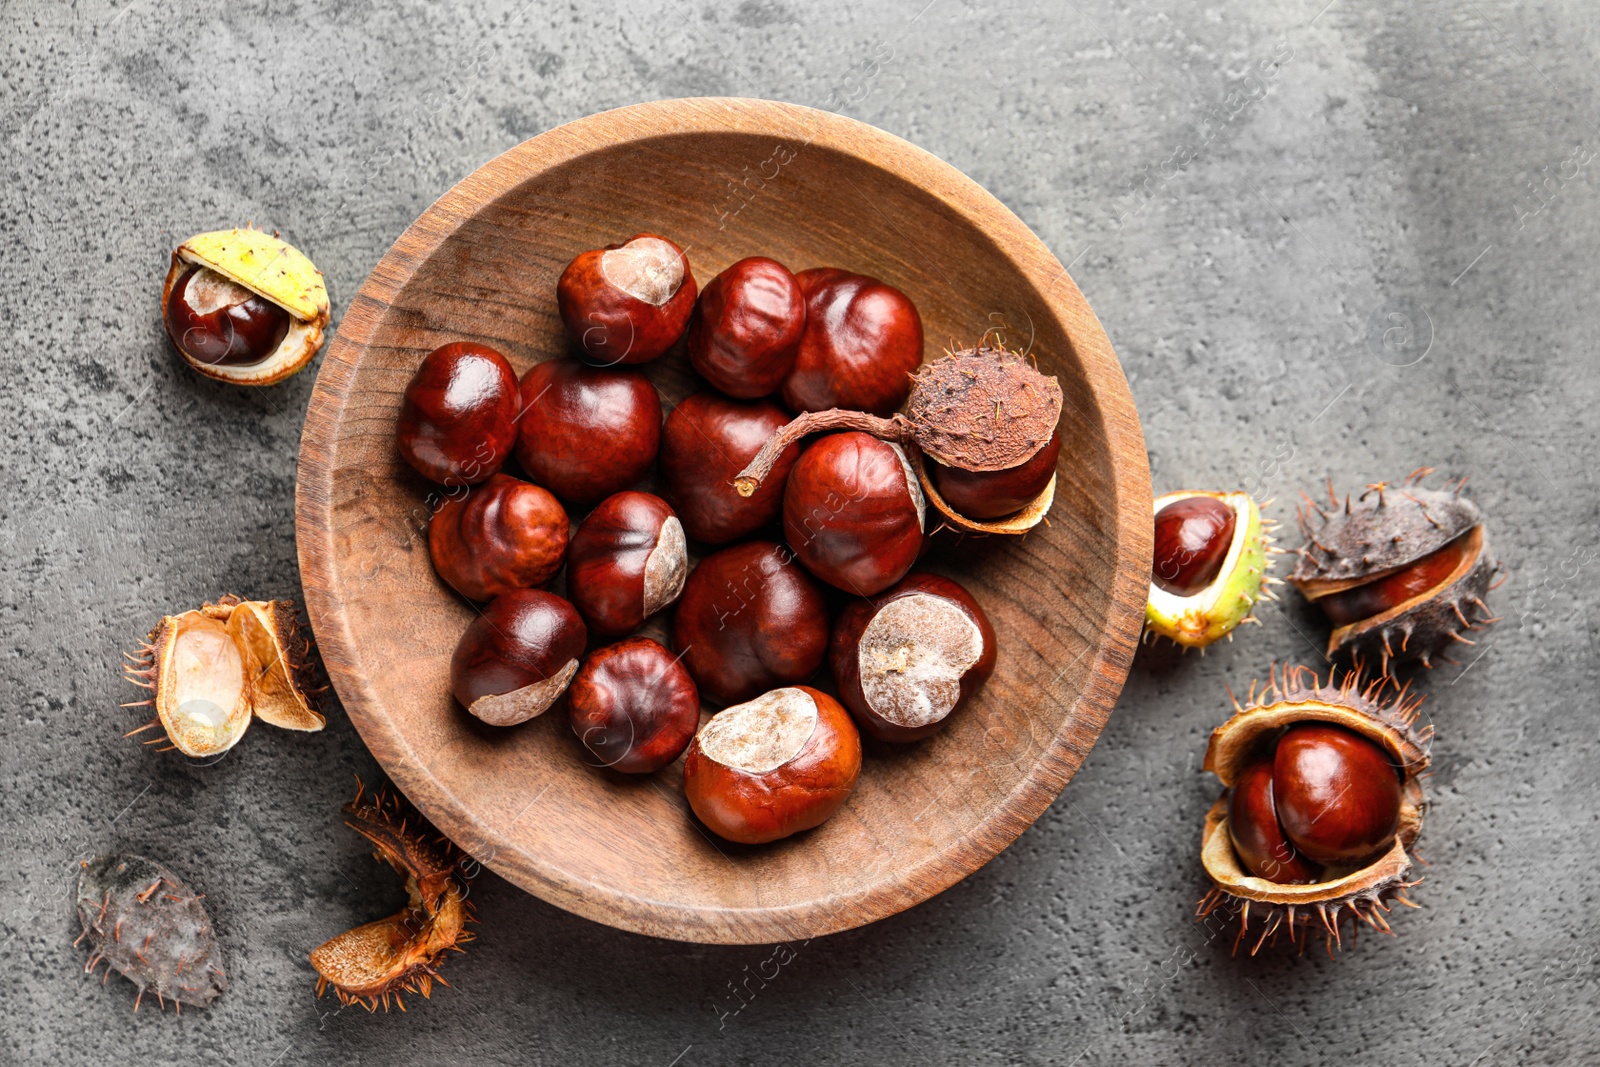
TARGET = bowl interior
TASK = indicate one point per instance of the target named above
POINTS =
(808, 189)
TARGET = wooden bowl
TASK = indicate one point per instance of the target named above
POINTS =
(726, 179)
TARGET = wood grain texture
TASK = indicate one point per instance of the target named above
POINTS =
(814, 189)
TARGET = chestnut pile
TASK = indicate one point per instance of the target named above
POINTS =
(805, 547)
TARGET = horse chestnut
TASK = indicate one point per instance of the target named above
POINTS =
(517, 657)
(458, 419)
(707, 440)
(218, 321)
(750, 620)
(747, 327)
(1257, 836)
(1337, 794)
(771, 767)
(861, 342)
(996, 494)
(853, 512)
(587, 432)
(626, 303)
(628, 561)
(909, 657)
(634, 706)
(504, 534)
(1193, 535)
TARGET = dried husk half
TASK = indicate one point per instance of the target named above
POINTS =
(380, 960)
(272, 269)
(1378, 712)
(211, 670)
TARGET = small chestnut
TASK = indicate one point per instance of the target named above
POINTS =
(501, 535)
(996, 494)
(587, 432)
(219, 321)
(750, 620)
(1257, 836)
(746, 330)
(634, 706)
(909, 657)
(1193, 535)
(861, 342)
(853, 512)
(628, 560)
(626, 303)
(771, 767)
(458, 419)
(517, 657)
(1337, 793)
(705, 441)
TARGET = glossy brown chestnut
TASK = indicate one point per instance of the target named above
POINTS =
(517, 657)
(906, 659)
(628, 560)
(626, 303)
(746, 329)
(458, 419)
(501, 535)
(1191, 543)
(634, 706)
(996, 494)
(1337, 793)
(853, 512)
(1413, 580)
(781, 763)
(1257, 837)
(220, 322)
(750, 619)
(861, 342)
(708, 439)
(587, 432)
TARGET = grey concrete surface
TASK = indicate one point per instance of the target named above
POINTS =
(1245, 191)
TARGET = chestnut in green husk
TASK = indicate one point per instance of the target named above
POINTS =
(1209, 566)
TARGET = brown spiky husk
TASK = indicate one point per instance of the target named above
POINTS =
(1383, 530)
(983, 409)
(378, 961)
(1378, 710)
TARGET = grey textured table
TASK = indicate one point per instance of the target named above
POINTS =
(1344, 242)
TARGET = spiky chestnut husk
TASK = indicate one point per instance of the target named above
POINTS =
(275, 271)
(1383, 532)
(400, 954)
(211, 670)
(1377, 711)
(142, 921)
(978, 409)
(1230, 599)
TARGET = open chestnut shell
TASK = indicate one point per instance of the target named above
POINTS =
(853, 512)
(1210, 567)
(906, 659)
(626, 303)
(501, 535)
(862, 340)
(587, 432)
(458, 418)
(517, 657)
(633, 706)
(750, 619)
(773, 766)
(244, 306)
(747, 327)
(628, 560)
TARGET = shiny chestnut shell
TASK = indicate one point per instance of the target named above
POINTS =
(501, 535)
(458, 419)
(587, 432)
(853, 512)
(747, 327)
(861, 342)
(1257, 837)
(803, 792)
(616, 305)
(996, 494)
(1337, 793)
(221, 323)
(627, 561)
(707, 440)
(923, 646)
(517, 657)
(633, 706)
(1192, 538)
(750, 619)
